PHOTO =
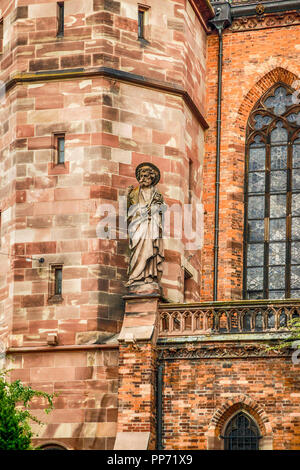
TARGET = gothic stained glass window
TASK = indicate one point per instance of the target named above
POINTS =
(241, 433)
(272, 197)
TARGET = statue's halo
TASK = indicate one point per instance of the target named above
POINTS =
(157, 172)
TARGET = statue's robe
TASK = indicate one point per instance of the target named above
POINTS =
(145, 235)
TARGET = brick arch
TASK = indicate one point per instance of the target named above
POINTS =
(278, 74)
(239, 403)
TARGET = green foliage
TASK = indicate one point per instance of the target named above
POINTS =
(293, 327)
(15, 416)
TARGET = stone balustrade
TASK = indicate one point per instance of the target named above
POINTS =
(244, 316)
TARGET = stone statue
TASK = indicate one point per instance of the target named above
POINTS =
(145, 207)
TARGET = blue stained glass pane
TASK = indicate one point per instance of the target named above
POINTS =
(295, 294)
(257, 157)
(280, 101)
(278, 157)
(256, 230)
(255, 278)
(296, 228)
(295, 253)
(276, 294)
(296, 155)
(279, 133)
(277, 277)
(256, 182)
(278, 205)
(277, 229)
(276, 253)
(294, 118)
(261, 121)
(256, 207)
(255, 254)
(295, 204)
(278, 181)
(295, 277)
(296, 179)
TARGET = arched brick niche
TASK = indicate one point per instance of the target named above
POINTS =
(223, 414)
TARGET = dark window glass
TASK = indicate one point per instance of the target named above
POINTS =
(60, 150)
(272, 215)
(61, 13)
(241, 433)
(141, 23)
(1, 35)
(58, 281)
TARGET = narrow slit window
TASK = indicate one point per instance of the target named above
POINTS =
(141, 23)
(55, 285)
(190, 179)
(58, 280)
(60, 18)
(60, 149)
(1, 35)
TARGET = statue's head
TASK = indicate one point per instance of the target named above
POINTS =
(147, 174)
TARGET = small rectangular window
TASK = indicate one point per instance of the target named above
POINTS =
(141, 23)
(58, 280)
(55, 287)
(59, 146)
(60, 18)
(61, 150)
(1, 35)
(190, 179)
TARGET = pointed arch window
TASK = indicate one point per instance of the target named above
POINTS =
(241, 433)
(272, 197)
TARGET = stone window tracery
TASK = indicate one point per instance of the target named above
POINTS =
(241, 433)
(272, 197)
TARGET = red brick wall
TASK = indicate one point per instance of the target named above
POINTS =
(199, 396)
(137, 401)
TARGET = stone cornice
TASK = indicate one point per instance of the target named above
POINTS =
(204, 12)
(232, 351)
(252, 7)
(119, 75)
(71, 347)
